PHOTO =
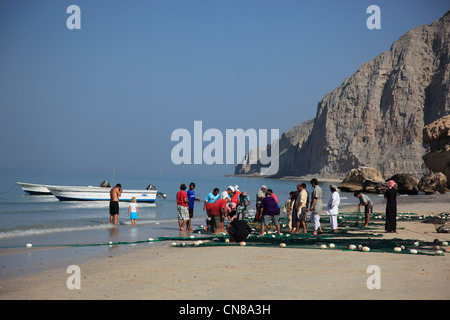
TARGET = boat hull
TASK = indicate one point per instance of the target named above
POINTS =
(34, 189)
(100, 194)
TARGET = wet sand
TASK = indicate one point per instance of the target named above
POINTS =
(160, 272)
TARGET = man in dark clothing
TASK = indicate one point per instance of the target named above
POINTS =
(237, 229)
(391, 208)
(270, 212)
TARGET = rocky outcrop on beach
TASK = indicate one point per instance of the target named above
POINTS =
(363, 179)
(433, 182)
(375, 118)
(437, 136)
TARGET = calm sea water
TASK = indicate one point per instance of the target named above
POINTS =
(44, 221)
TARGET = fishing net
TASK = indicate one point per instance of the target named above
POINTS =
(325, 242)
(352, 236)
(440, 222)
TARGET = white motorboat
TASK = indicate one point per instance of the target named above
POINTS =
(73, 193)
(34, 189)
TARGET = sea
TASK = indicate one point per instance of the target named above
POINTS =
(64, 231)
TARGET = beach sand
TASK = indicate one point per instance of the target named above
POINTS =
(158, 271)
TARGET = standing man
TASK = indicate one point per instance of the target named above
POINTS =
(391, 208)
(333, 208)
(288, 209)
(316, 206)
(301, 209)
(191, 198)
(368, 206)
(260, 195)
(182, 207)
(270, 212)
(294, 207)
(307, 196)
(114, 196)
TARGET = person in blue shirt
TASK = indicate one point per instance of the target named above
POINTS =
(191, 199)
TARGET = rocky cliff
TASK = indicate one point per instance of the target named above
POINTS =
(376, 117)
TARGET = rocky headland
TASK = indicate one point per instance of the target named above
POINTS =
(376, 117)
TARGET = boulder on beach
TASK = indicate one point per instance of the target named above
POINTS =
(406, 184)
(365, 179)
(433, 182)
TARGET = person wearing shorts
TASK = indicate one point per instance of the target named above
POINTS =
(365, 201)
(301, 209)
(114, 194)
(270, 212)
(182, 207)
(133, 211)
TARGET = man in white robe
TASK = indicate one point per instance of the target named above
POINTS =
(333, 208)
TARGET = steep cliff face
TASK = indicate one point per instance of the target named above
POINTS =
(376, 117)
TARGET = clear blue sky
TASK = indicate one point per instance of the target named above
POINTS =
(110, 94)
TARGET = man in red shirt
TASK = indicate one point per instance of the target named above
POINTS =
(218, 210)
(182, 207)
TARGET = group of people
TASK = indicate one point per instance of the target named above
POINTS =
(298, 204)
(217, 206)
(233, 203)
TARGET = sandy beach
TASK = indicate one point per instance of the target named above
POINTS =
(158, 271)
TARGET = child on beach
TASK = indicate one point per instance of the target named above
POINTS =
(133, 211)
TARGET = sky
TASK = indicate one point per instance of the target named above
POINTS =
(108, 96)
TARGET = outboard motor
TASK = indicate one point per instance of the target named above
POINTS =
(158, 193)
(105, 184)
(161, 195)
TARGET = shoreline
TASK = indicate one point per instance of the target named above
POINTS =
(158, 271)
(300, 178)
